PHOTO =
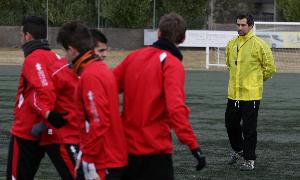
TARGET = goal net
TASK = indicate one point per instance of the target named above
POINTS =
(283, 38)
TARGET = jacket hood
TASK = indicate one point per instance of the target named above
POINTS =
(30, 46)
(164, 44)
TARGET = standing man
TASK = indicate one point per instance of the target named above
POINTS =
(250, 63)
(34, 102)
(62, 144)
(102, 141)
(152, 80)
(100, 43)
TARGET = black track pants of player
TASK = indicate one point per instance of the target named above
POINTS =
(64, 156)
(114, 173)
(242, 136)
(150, 167)
(24, 157)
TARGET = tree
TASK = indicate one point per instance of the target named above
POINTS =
(290, 9)
(83, 10)
(127, 13)
(139, 13)
(226, 11)
(193, 11)
(119, 13)
(11, 12)
(59, 11)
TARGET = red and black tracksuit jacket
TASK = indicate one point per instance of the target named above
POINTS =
(36, 93)
(65, 82)
(62, 144)
(102, 138)
(35, 96)
(46, 84)
(152, 80)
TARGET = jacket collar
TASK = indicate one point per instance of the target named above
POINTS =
(30, 46)
(249, 35)
(82, 60)
(164, 44)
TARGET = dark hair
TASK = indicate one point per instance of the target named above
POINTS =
(98, 36)
(75, 34)
(172, 27)
(36, 26)
(249, 17)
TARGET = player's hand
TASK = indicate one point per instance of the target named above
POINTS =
(56, 119)
(200, 157)
(38, 129)
(89, 170)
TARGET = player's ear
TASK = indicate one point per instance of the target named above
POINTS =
(182, 40)
(72, 51)
(28, 36)
(158, 34)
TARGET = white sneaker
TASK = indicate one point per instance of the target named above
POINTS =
(234, 157)
(248, 165)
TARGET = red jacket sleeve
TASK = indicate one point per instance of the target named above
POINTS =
(179, 113)
(96, 106)
(37, 77)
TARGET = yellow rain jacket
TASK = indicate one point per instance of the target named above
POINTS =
(250, 62)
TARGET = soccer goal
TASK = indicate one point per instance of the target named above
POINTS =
(283, 38)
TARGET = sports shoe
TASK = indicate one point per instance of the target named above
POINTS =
(248, 165)
(234, 157)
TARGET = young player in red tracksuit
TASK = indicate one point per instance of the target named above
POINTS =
(152, 80)
(103, 144)
(100, 43)
(61, 144)
(34, 102)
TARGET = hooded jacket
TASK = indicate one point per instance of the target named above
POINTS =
(36, 93)
(152, 80)
(102, 137)
(65, 82)
(250, 62)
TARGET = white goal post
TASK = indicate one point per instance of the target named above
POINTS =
(283, 38)
(199, 38)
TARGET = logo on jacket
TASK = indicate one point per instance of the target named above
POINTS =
(21, 100)
(41, 74)
(163, 57)
(93, 106)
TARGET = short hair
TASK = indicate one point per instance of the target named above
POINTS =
(75, 34)
(98, 36)
(172, 27)
(36, 26)
(249, 17)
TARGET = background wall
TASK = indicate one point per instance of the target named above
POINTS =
(118, 38)
(10, 36)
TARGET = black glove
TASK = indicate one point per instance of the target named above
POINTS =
(198, 154)
(56, 119)
(38, 129)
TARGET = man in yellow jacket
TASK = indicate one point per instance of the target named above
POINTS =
(250, 63)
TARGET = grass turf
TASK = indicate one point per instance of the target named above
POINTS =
(278, 148)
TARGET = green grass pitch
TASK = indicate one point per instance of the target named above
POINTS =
(278, 148)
